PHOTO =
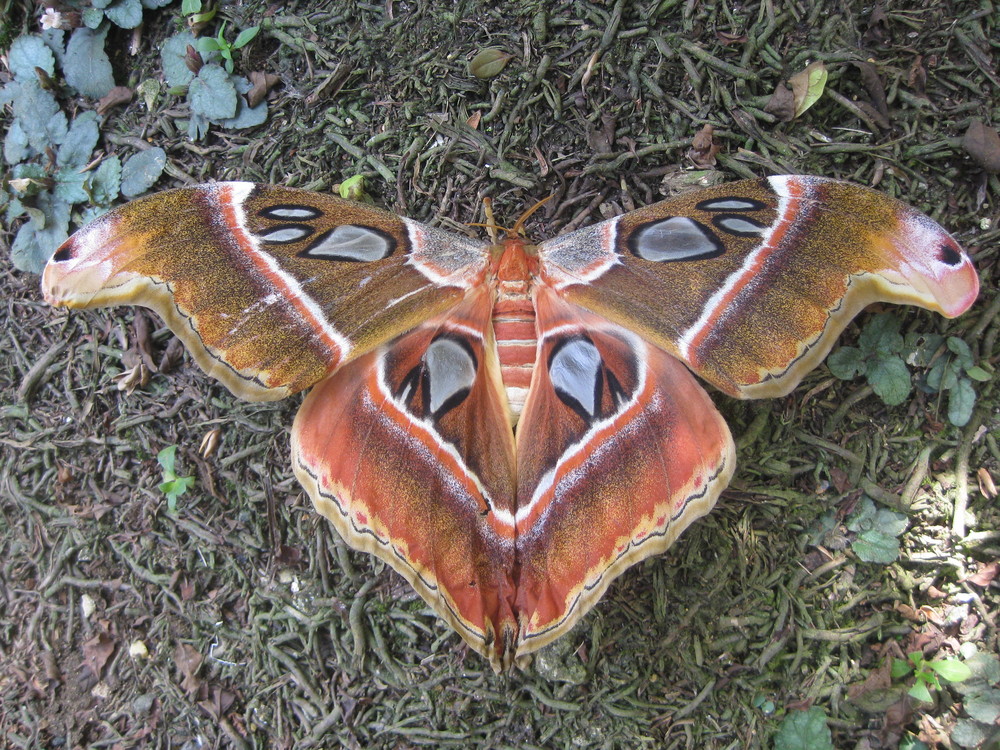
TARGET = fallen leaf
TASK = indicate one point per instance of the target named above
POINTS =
(727, 38)
(879, 678)
(879, 108)
(218, 702)
(173, 355)
(917, 76)
(987, 486)
(704, 148)
(96, 653)
(807, 86)
(474, 119)
(489, 63)
(781, 104)
(985, 575)
(188, 662)
(262, 85)
(118, 95)
(983, 145)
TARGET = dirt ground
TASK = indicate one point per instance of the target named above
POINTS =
(244, 621)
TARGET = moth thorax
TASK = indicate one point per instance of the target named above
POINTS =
(514, 329)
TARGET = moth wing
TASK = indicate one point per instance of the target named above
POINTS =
(270, 288)
(751, 282)
(619, 449)
(409, 451)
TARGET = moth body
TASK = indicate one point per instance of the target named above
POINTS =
(513, 320)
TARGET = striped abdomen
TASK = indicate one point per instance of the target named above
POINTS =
(514, 328)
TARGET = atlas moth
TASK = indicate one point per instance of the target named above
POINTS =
(510, 426)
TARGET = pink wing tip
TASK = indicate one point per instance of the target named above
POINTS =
(935, 255)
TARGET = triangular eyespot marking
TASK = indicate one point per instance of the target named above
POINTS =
(675, 239)
(290, 212)
(730, 204)
(352, 243)
(577, 376)
(449, 374)
(285, 233)
(949, 255)
(741, 226)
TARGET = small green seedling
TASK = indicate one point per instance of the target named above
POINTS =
(172, 485)
(221, 45)
(926, 673)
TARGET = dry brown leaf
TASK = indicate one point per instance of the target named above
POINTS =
(173, 355)
(188, 662)
(781, 104)
(917, 76)
(704, 148)
(987, 486)
(118, 95)
(96, 653)
(262, 85)
(985, 575)
(474, 119)
(983, 145)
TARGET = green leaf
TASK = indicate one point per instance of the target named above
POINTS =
(984, 707)
(353, 188)
(920, 692)
(922, 348)
(246, 116)
(847, 362)
(804, 730)
(69, 185)
(881, 335)
(80, 141)
(978, 373)
(961, 402)
(890, 379)
(15, 144)
(207, 44)
(807, 86)
(86, 65)
(968, 734)
(172, 55)
(166, 458)
(92, 17)
(961, 351)
(142, 170)
(952, 670)
(489, 63)
(188, 7)
(900, 668)
(28, 52)
(245, 37)
(212, 93)
(876, 546)
(153, 4)
(41, 119)
(41, 235)
(125, 13)
(105, 181)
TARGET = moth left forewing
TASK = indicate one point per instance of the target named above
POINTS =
(619, 450)
(750, 283)
(270, 288)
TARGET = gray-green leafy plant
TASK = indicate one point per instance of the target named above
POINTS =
(215, 95)
(882, 356)
(50, 160)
